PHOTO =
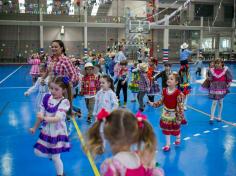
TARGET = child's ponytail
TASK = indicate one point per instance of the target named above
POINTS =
(147, 136)
(94, 139)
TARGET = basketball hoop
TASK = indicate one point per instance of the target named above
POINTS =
(138, 26)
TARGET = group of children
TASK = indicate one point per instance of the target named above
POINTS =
(120, 127)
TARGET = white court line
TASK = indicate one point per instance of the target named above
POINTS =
(4, 79)
(215, 129)
(225, 126)
(197, 134)
(207, 131)
(187, 138)
(1, 88)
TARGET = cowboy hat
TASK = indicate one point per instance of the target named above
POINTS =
(143, 67)
(184, 46)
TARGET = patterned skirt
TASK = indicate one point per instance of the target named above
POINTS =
(154, 89)
(218, 90)
(134, 87)
(168, 122)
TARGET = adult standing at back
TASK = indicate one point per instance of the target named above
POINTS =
(184, 82)
(185, 53)
(60, 64)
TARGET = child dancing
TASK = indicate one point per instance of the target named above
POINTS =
(172, 114)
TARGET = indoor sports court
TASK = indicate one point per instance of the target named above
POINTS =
(205, 149)
(42, 40)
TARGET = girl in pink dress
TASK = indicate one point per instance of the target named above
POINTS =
(122, 129)
(220, 79)
(35, 61)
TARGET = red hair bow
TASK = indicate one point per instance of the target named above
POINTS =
(140, 117)
(103, 114)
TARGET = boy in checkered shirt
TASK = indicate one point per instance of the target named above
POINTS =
(89, 88)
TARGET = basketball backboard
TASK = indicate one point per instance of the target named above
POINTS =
(138, 26)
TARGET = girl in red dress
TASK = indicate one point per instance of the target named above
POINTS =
(172, 114)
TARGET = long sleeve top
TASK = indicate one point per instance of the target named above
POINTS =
(105, 99)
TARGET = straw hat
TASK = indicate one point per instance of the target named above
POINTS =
(143, 67)
(88, 64)
(184, 46)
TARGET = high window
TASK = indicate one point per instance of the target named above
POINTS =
(228, 12)
(204, 10)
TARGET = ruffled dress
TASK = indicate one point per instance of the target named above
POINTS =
(53, 138)
(172, 114)
(135, 77)
(219, 83)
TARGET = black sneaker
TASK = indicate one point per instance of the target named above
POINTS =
(219, 120)
(89, 120)
(79, 114)
(141, 109)
(211, 121)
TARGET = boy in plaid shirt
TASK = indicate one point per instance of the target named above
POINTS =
(144, 85)
(89, 88)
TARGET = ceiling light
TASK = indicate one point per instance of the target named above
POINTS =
(95, 9)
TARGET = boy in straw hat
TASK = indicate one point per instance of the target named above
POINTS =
(89, 88)
(144, 84)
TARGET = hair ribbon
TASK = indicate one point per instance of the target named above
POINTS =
(66, 80)
(103, 114)
(140, 117)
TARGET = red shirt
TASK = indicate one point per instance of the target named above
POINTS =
(90, 85)
(170, 100)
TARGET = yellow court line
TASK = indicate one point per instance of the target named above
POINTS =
(227, 122)
(89, 156)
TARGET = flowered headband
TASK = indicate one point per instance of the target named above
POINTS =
(140, 117)
(66, 80)
(103, 114)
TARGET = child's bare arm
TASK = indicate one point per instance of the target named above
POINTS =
(35, 127)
